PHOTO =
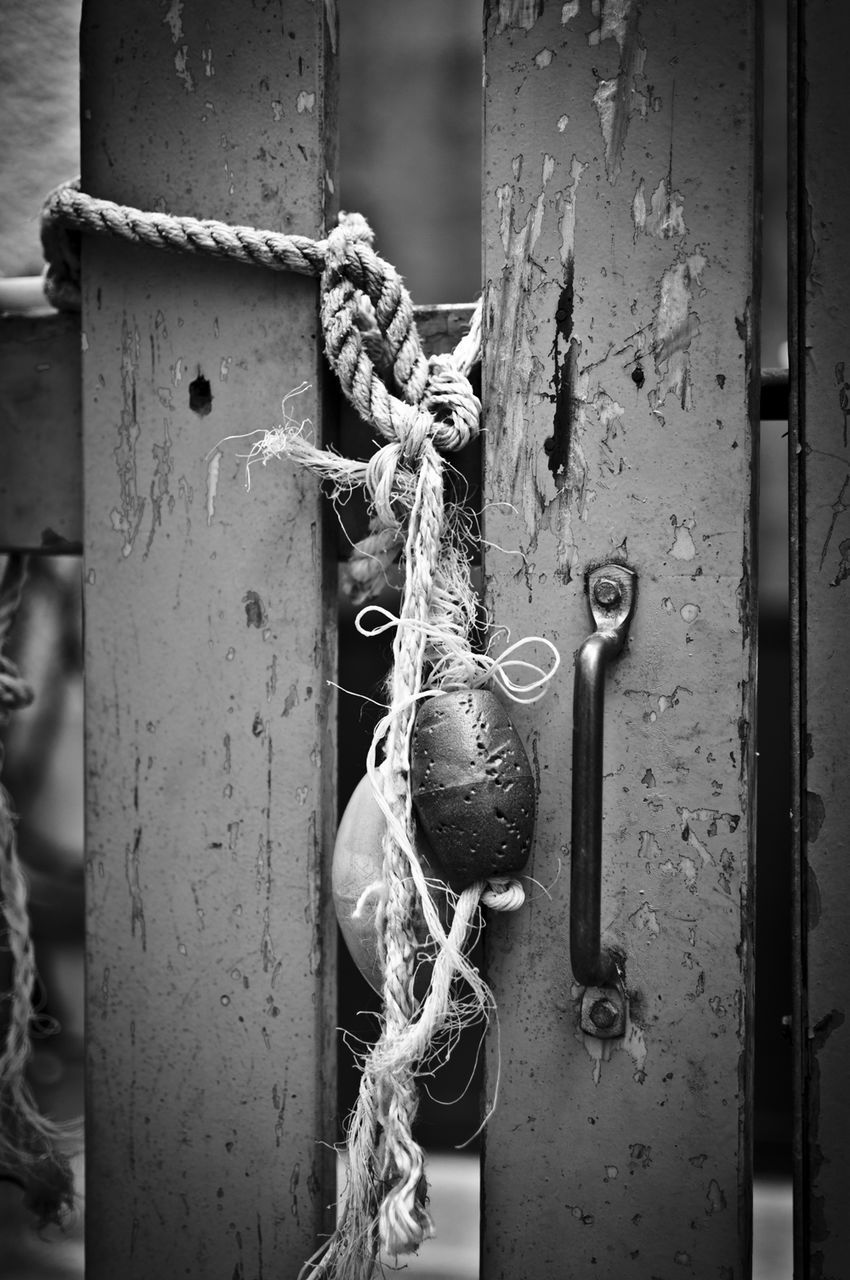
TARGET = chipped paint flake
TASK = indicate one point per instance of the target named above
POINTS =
(569, 11)
(676, 325)
(181, 66)
(212, 484)
(305, 102)
(126, 518)
(683, 547)
(543, 59)
(613, 18)
(174, 20)
(646, 919)
(562, 123)
(618, 98)
(690, 612)
(518, 13)
(567, 211)
(714, 1196)
(665, 217)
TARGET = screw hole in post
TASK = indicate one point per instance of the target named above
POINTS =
(200, 396)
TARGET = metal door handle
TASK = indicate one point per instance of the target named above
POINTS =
(612, 590)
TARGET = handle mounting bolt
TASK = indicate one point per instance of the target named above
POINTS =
(607, 592)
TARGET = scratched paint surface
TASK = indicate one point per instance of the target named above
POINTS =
(619, 226)
(825, 539)
(209, 741)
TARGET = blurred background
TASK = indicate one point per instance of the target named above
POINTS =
(410, 152)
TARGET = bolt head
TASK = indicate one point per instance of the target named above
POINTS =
(607, 592)
(603, 1014)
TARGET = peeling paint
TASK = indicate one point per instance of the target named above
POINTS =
(683, 547)
(160, 490)
(646, 919)
(213, 469)
(618, 98)
(676, 325)
(666, 215)
(633, 1043)
(181, 66)
(569, 10)
(543, 59)
(663, 701)
(305, 102)
(510, 300)
(127, 517)
(518, 13)
(715, 1199)
(174, 20)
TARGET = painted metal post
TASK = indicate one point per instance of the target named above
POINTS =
(620, 236)
(209, 640)
(819, 333)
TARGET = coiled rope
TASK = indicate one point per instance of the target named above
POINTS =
(423, 408)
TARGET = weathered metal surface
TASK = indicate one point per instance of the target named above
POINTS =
(41, 461)
(40, 442)
(208, 645)
(820, 565)
(620, 168)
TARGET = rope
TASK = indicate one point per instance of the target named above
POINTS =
(370, 335)
(423, 408)
(29, 1153)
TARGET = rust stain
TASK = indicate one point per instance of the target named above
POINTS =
(255, 610)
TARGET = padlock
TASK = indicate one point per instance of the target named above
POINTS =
(473, 787)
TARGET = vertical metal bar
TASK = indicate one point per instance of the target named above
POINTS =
(819, 327)
(796, 524)
(620, 392)
(209, 642)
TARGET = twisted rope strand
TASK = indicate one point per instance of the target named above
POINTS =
(28, 1141)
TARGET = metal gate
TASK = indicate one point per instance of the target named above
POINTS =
(622, 392)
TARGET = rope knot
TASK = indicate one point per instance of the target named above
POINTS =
(450, 398)
(351, 229)
(414, 425)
